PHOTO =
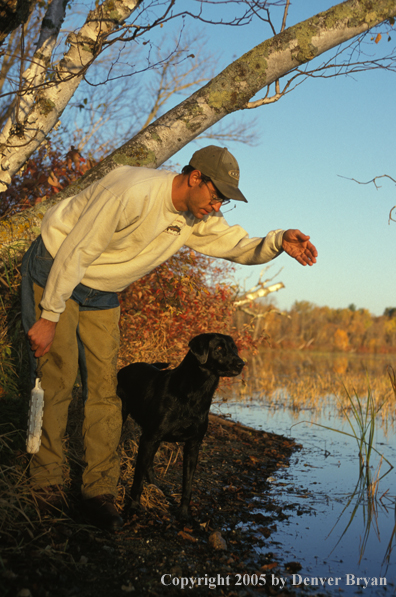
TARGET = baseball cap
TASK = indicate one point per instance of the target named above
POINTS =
(221, 167)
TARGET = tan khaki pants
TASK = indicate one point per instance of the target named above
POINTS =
(99, 333)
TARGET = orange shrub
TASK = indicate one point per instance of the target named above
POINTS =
(185, 296)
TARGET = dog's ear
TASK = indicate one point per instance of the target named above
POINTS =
(200, 348)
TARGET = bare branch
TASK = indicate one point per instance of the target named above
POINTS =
(377, 186)
(278, 92)
(183, 65)
(372, 181)
(285, 15)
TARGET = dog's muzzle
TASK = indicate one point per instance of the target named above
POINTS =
(235, 369)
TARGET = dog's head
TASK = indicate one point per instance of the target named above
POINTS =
(218, 353)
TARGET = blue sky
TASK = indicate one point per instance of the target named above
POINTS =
(324, 130)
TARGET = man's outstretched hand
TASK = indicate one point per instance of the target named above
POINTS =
(297, 245)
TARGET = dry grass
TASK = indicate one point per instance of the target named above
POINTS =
(307, 381)
(19, 514)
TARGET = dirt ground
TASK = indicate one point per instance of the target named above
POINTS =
(226, 550)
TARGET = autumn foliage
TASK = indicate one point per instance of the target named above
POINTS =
(307, 326)
(44, 175)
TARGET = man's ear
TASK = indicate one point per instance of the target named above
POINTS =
(194, 179)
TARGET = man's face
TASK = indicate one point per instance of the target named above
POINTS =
(202, 199)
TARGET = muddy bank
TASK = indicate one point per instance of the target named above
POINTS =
(228, 546)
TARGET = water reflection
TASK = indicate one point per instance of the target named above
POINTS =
(366, 497)
(349, 527)
(299, 381)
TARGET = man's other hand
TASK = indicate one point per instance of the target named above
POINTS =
(41, 335)
(297, 245)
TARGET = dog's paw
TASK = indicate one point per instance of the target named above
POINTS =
(133, 507)
(184, 515)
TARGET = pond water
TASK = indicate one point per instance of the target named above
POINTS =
(339, 528)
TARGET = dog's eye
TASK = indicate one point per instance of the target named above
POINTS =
(219, 347)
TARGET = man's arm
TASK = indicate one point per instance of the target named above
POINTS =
(41, 335)
(216, 238)
(297, 245)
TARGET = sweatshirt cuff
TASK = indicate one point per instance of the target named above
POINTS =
(278, 239)
(50, 315)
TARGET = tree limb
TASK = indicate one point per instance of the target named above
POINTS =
(228, 92)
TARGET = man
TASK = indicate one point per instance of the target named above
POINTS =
(94, 245)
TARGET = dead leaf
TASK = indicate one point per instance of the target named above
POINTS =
(53, 181)
(187, 536)
(217, 541)
(269, 566)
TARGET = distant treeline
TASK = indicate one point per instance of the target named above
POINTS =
(321, 328)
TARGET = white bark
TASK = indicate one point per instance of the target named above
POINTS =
(260, 293)
(41, 105)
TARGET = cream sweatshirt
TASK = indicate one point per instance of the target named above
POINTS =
(121, 227)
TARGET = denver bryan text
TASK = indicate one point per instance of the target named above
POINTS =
(336, 581)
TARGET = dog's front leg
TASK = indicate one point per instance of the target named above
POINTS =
(190, 458)
(144, 466)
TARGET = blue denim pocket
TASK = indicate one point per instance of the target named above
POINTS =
(93, 300)
(41, 263)
(38, 263)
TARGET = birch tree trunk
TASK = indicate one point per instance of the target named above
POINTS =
(229, 92)
(40, 103)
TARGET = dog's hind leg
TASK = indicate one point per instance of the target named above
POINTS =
(150, 477)
(144, 466)
(190, 458)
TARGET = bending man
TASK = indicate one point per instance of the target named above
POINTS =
(93, 245)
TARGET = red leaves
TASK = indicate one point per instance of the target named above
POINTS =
(44, 175)
(183, 297)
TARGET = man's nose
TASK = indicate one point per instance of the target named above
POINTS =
(216, 206)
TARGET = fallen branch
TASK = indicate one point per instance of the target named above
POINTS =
(260, 293)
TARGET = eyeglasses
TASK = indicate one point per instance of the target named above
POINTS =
(215, 198)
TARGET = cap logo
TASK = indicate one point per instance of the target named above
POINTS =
(234, 174)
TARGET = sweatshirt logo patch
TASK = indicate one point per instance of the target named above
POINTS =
(174, 230)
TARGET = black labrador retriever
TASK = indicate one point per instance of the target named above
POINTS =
(173, 405)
